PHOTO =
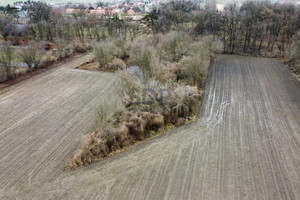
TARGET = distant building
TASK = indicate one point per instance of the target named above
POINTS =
(220, 7)
(70, 11)
(97, 12)
(148, 8)
(133, 11)
(23, 17)
(106, 12)
(137, 17)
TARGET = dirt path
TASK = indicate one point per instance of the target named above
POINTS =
(245, 145)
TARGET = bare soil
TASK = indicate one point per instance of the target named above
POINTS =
(93, 65)
(89, 65)
(245, 144)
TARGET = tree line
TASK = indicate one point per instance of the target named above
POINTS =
(253, 27)
(256, 26)
(51, 24)
(250, 28)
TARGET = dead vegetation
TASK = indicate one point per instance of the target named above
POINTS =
(109, 55)
(20, 62)
(6, 57)
(294, 57)
(161, 87)
(31, 55)
(121, 130)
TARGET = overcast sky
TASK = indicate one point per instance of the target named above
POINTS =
(5, 2)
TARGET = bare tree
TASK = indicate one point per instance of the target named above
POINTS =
(42, 18)
(253, 27)
(39, 11)
(31, 55)
(294, 54)
(178, 12)
(4, 21)
(151, 20)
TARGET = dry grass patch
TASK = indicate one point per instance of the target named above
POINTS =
(174, 63)
(115, 135)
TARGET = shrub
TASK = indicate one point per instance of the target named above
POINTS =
(137, 46)
(103, 54)
(133, 91)
(31, 55)
(294, 54)
(199, 49)
(80, 48)
(143, 53)
(174, 46)
(47, 60)
(110, 54)
(116, 64)
(211, 44)
(129, 87)
(164, 75)
(183, 104)
(106, 113)
(119, 49)
(119, 127)
(145, 57)
(62, 50)
(144, 61)
(148, 40)
(6, 57)
(19, 71)
(195, 70)
(115, 135)
(102, 116)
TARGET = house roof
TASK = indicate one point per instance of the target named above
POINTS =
(97, 12)
(105, 12)
(72, 10)
(136, 9)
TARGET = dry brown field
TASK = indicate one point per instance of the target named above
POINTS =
(244, 145)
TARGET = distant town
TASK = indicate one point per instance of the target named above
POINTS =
(133, 10)
(124, 9)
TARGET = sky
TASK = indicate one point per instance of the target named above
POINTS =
(5, 2)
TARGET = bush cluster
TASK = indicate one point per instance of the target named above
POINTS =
(35, 56)
(109, 55)
(154, 63)
(294, 55)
